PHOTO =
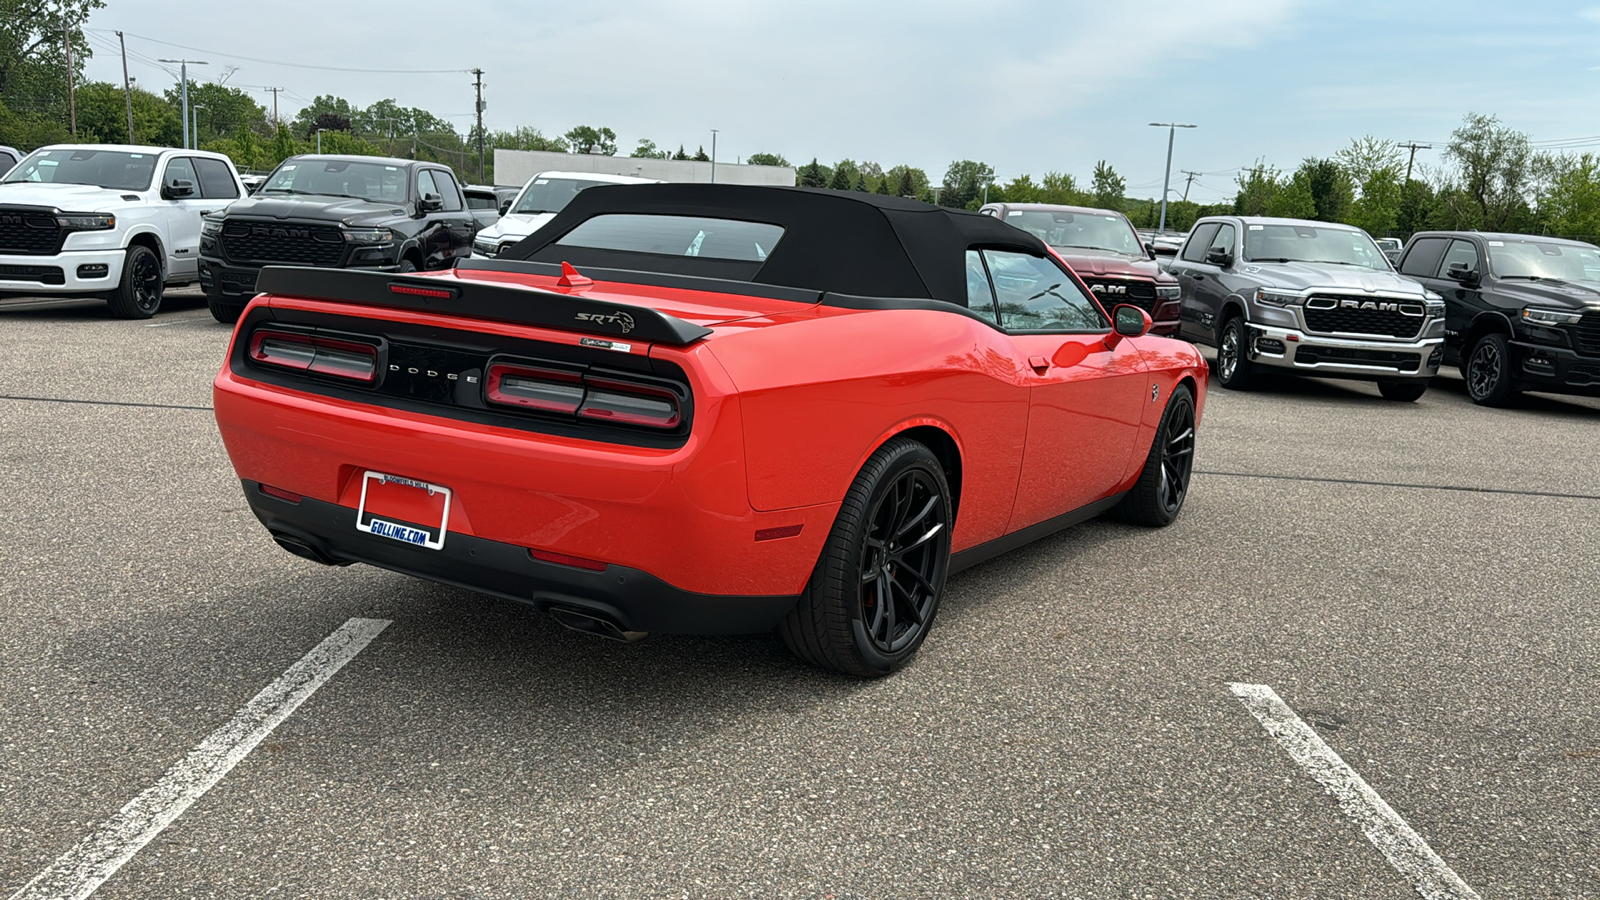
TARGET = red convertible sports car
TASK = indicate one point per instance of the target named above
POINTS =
(709, 409)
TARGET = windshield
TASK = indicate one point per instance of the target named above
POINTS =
(551, 195)
(1313, 244)
(115, 170)
(338, 178)
(1533, 259)
(1064, 230)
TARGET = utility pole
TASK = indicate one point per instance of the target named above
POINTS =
(1413, 147)
(1166, 184)
(274, 105)
(713, 156)
(127, 90)
(1192, 177)
(72, 97)
(183, 75)
(478, 83)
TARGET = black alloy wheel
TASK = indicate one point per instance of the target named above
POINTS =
(1157, 497)
(1488, 372)
(878, 582)
(1233, 365)
(138, 296)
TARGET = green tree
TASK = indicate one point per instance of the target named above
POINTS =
(1259, 185)
(1417, 208)
(841, 180)
(528, 138)
(31, 129)
(103, 116)
(1495, 165)
(907, 181)
(1569, 204)
(812, 175)
(328, 108)
(680, 155)
(588, 139)
(964, 182)
(766, 159)
(220, 110)
(33, 65)
(1377, 210)
(700, 155)
(1062, 189)
(1329, 185)
(1107, 187)
(647, 149)
(1294, 199)
(1368, 155)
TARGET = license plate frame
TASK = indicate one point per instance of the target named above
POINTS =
(398, 508)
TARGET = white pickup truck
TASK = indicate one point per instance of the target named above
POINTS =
(112, 221)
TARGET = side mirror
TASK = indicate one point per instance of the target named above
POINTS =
(1217, 256)
(1458, 271)
(505, 207)
(430, 202)
(1130, 321)
(1150, 250)
(178, 187)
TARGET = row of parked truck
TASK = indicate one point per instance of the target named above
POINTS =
(1514, 312)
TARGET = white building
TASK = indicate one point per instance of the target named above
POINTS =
(515, 167)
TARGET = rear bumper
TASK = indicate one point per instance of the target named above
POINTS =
(635, 600)
(1289, 348)
(67, 272)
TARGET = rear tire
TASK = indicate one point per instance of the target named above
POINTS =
(223, 311)
(138, 295)
(1234, 370)
(1158, 495)
(877, 585)
(1487, 369)
(1403, 391)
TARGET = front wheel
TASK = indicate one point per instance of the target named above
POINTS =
(1488, 372)
(1234, 370)
(138, 295)
(1407, 391)
(1159, 493)
(223, 311)
(878, 582)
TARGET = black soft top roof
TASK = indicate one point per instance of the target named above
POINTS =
(834, 241)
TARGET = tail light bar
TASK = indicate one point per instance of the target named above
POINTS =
(319, 355)
(584, 395)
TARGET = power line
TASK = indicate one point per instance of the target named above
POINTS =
(279, 62)
(1413, 147)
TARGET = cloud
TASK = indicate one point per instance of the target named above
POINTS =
(1591, 14)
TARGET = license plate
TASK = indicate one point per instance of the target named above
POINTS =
(403, 509)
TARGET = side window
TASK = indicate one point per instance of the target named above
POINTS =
(448, 191)
(1195, 249)
(1422, 260)
(1034, 294)
(180, 168)
(216, 181)
(1460, 252)
(1223, 240)
(980, 295)
(425, 184)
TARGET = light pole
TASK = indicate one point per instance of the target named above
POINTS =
(183, 76)
(319, 140)
(1166, 181)
(713, 156)
(196, 132)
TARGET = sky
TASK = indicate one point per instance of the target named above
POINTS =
(1027, 87)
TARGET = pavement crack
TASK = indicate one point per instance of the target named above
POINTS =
(103, 402)
(1400, 484)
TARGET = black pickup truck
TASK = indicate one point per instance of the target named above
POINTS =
(392, 215)
(1522, 312)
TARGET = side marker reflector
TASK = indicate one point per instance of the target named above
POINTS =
(773, 534)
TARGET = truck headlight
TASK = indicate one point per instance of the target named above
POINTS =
(1169, 292)
(210, 227)
(86, 222)
(368, 235)
(1278, 298)
(1550, 317)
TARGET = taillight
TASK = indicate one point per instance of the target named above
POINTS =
(347, 360)
(584, 395)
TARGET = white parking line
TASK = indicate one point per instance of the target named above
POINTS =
(1404, 848)
(80, 871)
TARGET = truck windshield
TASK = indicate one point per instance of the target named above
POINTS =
(1535, 259)
(338, 178)
(111, 169)
(550, 195)
(1312, 244)
(1078, 230)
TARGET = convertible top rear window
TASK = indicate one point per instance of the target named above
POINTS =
(676, 236)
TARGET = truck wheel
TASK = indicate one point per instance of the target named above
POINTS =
(1234, 370)
(406, 265)
(878, 582)
(138, 295)
(1158, 495)
(1488, 372)
(1403, 391)
(223, 311)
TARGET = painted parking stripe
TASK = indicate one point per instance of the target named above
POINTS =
(80, 871)
(1404, 848)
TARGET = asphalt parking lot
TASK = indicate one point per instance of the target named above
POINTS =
(1417, 581)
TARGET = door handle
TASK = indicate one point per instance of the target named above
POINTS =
(1199, 276)
(1039, 363)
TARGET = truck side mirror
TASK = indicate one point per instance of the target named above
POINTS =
(430, 202)
(178, 188)
(1459, 271)
(505, 207)
(1150, 250)
(1219, 257)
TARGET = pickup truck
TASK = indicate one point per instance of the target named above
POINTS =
(9, 156)
(545, 194)
(1309, 298)
(112, 221)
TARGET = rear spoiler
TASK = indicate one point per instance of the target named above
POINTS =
(480, 300)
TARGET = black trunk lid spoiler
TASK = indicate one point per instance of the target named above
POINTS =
(481, 300)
